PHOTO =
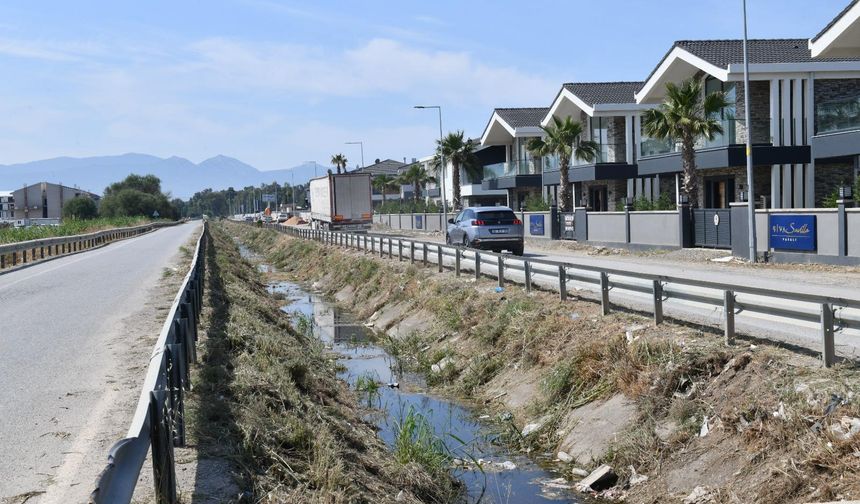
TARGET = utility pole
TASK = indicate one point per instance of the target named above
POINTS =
(441, 160)
(750, 180)
(360, 143)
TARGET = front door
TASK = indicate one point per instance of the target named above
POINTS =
(719, 192)
(597, 197)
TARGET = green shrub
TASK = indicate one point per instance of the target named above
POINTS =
(535, 203)
(80, 208)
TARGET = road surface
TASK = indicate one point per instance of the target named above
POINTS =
(74, 345)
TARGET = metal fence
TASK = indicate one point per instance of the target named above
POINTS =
(12, 254)
(159, 420)
(823, 315)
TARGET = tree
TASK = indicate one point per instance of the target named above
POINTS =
(383, 183)
(416, 176)
(80, 208)
(136, 196)
(563, 138)
(685, 116)
(460, 152)
(339, 161)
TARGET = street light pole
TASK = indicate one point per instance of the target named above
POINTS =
(750, 185)
(360, 143)
(441, 158)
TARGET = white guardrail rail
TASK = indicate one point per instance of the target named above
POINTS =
(13, 254)
(799, 318)
(159, 420)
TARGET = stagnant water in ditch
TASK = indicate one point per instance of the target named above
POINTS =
(506, 477)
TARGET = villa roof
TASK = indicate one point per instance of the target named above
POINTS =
(594, 93)
(386, 167)
(835, 20)
(524, 117)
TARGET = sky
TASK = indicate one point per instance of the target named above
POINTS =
(278, 83)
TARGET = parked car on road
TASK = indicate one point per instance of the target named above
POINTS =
(493, 228)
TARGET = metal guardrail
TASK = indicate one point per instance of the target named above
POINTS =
(159, 420)
(59, 245)
(731, 298)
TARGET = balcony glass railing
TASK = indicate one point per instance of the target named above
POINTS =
(508, 169)
(606, 153)
(733, 134)
(835, 116)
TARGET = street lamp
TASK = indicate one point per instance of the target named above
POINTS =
(751, 198)
(362, 150)
(441, 158)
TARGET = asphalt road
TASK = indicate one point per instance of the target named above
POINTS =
(67, 328)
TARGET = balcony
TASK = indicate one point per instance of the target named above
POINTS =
(731, 135)
(606, 153)
(512, 168)
(513, 174)
(837, 116)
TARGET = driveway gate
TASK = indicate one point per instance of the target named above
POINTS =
(712, 227)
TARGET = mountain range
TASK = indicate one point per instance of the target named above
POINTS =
(179, 176)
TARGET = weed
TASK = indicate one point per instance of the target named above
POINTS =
(416, 441)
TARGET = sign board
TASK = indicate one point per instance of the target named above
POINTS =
(792, 232)
(536, 227)
(419, 222)
(268, 197)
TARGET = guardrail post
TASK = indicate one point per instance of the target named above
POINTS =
(828, 354)
(14, 258)
(399, 250)
(477, 265)
(527, 271)
(42, 252)
(424, 254)
(412, 252)
(390, 246)
(439, 257)
(604, 293)
(24, 256)
(175, 374)
(729, 323)
(162, 448)
(2, 261)
(457, 261)
(501, 261)
(657, 290)
(562, 282)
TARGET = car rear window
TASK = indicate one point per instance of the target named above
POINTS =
(501, 216)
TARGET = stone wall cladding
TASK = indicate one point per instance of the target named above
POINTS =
(761, 176)
(829, 177)
(760, 113)
(617, 150)
(835, 90)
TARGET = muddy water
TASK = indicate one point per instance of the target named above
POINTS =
(506, 477)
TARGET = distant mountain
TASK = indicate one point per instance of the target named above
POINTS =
(178, 175)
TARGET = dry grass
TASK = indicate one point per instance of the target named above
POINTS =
(676, 374)
(270, 400)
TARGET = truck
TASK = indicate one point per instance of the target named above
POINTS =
(341, 202)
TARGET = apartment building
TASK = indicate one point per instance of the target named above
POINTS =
(45, 200)
(7, 205)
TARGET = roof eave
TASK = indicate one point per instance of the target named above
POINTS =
(671, 58)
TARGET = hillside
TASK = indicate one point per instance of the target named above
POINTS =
(178, 175)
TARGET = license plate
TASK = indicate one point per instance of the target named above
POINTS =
(498, 231)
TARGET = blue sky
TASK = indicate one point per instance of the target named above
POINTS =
(276, 83)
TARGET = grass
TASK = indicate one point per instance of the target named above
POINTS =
(267, 397)
(676, 374)
(416, 441)
(67, 227)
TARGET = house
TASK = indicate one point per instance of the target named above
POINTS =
(836, 136)
(520, 172)
(472, 191)
(783, 75)
(45, 200)
(7, 205)
(610, 117)
(388, 167)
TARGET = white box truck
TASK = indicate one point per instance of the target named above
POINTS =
(341, 202)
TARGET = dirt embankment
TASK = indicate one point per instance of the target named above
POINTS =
(679, 417)
(268, 400)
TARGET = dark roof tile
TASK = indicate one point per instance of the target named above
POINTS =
(595, 93)
(526, 117)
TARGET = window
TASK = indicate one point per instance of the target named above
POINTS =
(497, 216)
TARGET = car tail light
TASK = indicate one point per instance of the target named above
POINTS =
(478, 223)
(517, 222)
(365, 216)
(338, 217)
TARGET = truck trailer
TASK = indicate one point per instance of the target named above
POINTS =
(341, 202)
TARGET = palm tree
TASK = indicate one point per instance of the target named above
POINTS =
(416, 176)
(563, 138)
(339, 161)
(459, 151)
(383, 183)
(685, 116)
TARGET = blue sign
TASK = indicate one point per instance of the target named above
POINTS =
(536, 225)
(419, 222)
(792, 232)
